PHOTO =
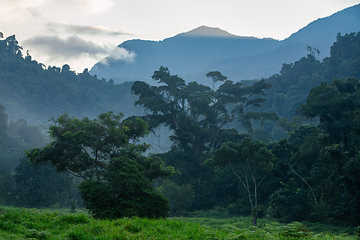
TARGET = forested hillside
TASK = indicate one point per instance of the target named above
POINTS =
(34, 92)
(292, 85)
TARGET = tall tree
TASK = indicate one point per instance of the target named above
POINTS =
(198, 118)
(196, 114)
(216, 77)
(250, 161)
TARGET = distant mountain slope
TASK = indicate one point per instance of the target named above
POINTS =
(186, 54)
(322, 32)
(204, 49)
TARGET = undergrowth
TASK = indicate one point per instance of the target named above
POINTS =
(19, 223)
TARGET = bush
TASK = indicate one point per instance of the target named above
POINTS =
(125, 192)
(180, 197)
(290, 205)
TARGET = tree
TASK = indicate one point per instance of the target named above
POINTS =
(83, 147)
(126, 190)
(216, 76)
(336, 105)
(198, 118)
(250, 161)
(196, 114)
(100, 151)
(191, 111)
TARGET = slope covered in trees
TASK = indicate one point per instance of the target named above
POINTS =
(292, 85)
(31, 91)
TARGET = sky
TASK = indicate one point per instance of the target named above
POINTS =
(82, 32)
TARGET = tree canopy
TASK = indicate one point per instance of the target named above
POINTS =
(107, 154)
(199, 119)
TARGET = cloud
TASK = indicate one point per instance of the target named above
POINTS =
(72, 47)
(93, 6)
(99, 6)
(119, 53)
(84, 30)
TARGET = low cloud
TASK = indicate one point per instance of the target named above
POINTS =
(84, 30)
(72, 47)
(121, 54)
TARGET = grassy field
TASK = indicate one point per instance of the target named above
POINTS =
(18, 223)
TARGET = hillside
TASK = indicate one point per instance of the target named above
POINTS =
(29, 90)
(205, 49)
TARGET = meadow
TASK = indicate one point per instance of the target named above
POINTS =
(21, 223)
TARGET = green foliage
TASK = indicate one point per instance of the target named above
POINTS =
(199, 119)
(290, 204)
(25, 223)
(336, 105)
(83, 147)
(250, 161)
(295, 80)
(106, 153)
(125, 192)
(15, 137)
(180, 197)
(291, 86)
(40, 186)
(6, 189)
(216, 77)
(29, 90)
(344, 58)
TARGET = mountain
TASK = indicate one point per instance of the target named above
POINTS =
(187, 53)
(192, 54)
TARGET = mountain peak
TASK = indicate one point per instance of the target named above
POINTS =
(205, 31)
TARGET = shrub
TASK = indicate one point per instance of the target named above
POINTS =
(126, 192)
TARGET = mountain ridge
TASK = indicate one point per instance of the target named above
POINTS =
(194, 53)
(212, 32)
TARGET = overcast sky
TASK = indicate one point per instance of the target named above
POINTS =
(82, 32)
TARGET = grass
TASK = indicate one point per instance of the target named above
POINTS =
(19, 223)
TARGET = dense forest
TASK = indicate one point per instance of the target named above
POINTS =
(285, 147)
(34, 92)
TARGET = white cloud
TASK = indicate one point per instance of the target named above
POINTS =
(97, 6)
(72, 47)
(94, 6)
(119, 53)
(83, 30)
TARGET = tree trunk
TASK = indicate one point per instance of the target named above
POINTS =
(255, 217)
